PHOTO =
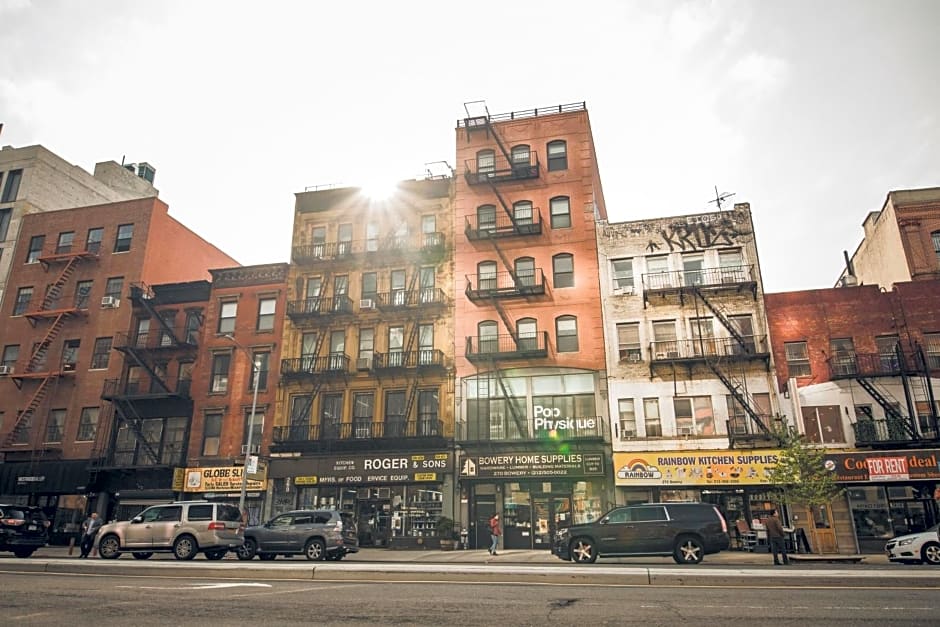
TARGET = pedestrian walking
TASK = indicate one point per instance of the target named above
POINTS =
(89, 530)
(777, 538)
(495, 532)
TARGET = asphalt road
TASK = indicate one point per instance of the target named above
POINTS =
(47, 599)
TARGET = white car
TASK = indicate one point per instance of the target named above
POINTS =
(915, 548)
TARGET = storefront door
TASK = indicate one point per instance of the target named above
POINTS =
(548, 513)
(484, 508)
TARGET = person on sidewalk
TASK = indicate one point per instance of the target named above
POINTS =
(495, 532)
(777, 538)
(89, 530)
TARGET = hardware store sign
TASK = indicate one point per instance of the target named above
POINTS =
(532, 465)
(666, 468)
(886, 466)
(378, 469)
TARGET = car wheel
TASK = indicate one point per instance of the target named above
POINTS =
(23, 552)
(930, 553)
(247, 550)
(216, 555)
(267, 557)
(583, 551)
(688, 550)
(142, 555)
(185, 548)
(315, 549)
(109, 548)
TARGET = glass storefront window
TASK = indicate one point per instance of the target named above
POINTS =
(872, 519)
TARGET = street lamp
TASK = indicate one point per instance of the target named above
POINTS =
(256, 373)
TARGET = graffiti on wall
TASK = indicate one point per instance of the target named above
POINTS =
(689, 233)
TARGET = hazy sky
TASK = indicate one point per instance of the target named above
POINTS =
(809, 110)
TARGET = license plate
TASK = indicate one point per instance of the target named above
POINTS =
(32, 527)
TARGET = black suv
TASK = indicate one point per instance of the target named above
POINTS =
(23, 529)
(687, 531)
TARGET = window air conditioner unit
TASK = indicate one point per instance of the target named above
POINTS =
(366, 303)
(6, 370)
(660, 355)
(634, 358)
(109, 302)
(628, 435)
(626, 291)
(364, 363)
(685, 430)
(673, 354)
(618, 290)
(255, 449)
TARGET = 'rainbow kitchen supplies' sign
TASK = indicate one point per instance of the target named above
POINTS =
(862, 466)
(218, 479)
(686, 468)
(523, 465)
(378, 469)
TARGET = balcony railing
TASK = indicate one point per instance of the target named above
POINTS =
(424, 243)
(410, 299)
(732, 277)
(319, 306)
(333, 365)
(501, 225)
(891, 431)
(144, 388)
(363, 430)
(506, 284)
(849, 365)
(755, 346)
(507, 347)
(157, 338)
(406, 360)
(521, 166)
(507, 429)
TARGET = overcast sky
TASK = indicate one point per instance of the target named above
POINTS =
(809, 110)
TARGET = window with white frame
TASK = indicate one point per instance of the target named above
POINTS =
(220, 365)
(797, 359)
(694, 415)
(627, 412)
(486, 218)
(932, 350)
(55, 426)
(486, 161)
(651, 419)
(665, 344)
(266, 307)
(628, 342)
(566, 334)
(522, 212)
(563, 270)
(35, 248)
(23, 297)
(557, 155)
(87, 424)
(622, 272)
(125, 233)
(560, 212)
(227, 313)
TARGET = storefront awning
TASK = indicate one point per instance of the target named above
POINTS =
(47, 477)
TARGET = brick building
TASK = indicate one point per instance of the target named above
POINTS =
(529, 338)
(70, 286)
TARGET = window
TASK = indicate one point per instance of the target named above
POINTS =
(23, 297)
(425, 344)
(823, 424)
(227, 314)
(428, 402)
(220, 364)
(932, 350)
(622, 272)
(184, 378)
(12, 187)
(843, 356)
(654, 425)
(522, 212)
(4, 222)
(427, 279)
(11, 353)
(93, 241)
(520, 157)
(693, 269)
(372, 237)
(337, 350)
(263, 358)
(125, 234)
(133, 380)
(22, 437)
(627, 414)
(255, 423)
(344, 235)
(370, 285)
(114, 286)
(486, 218)
(70, 354)
(887, 346)
(394, 414)
(657, 272)
(744, 325)
(363, 409)
(488, 337)
(732, 266)
(397, 283)
(366, 345)
(83, 294)
(740, 421)
(36, 242)
(557, 155)
(664, 339)
(143, 332)
(797, 359)
(266, 314)
(561, 212)
(300, 416)
(628, 342)
(563, 270)
(703, 336)
(527, 332)
(55, 426)
(486, 276)
(486, 162)
(694, 415)
(396, 343)
(101, 353)
(87, 424)
(525, 272)
(935, 236)
(65, 242)
(566, 332)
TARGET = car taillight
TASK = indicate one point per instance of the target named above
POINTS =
(216, 526)
(339, 525)
(724, 523)
(13, 522)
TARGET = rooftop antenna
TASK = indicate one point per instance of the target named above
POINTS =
(719, 198)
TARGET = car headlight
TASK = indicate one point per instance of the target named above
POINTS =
(906, 541)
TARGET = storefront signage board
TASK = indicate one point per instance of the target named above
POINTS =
(379, 469)
(527, 465)
(217, 479)
(687, 468)
(884, 466)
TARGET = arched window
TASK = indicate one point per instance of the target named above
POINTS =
(520, 157)
(487, 336)
(561, 212)
(557, 155)
(935, 236)
(486, 162)
(525, 271)
(522, 212)
(486, 275)
(527, 330)
(486, 218)
(566, 334)
(563, 270)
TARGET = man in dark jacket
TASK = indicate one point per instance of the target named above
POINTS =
(777, 538)
(89, 530)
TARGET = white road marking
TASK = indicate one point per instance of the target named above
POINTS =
(200, 586)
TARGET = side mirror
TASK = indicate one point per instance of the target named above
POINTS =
(604, 520)
(137, 519)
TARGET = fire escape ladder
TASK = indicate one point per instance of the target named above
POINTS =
(139, 359)
(22, 420)
(499, 142)
(128, 413)
(54, 290)
(167, 330)
(99, 454)
(506, 321)
(39, 353)
(510, 267)
(520, 421)
(722, 316)
(506, 208)
(884, 399)
(738, 390)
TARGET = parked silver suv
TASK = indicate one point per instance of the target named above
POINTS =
(317, 533)
(184, 528)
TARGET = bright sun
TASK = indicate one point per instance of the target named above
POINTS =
(379, 189)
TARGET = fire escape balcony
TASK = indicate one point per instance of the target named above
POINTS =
(145, 389)
(360, 435)
(892, 432)
(327, 367)
(519, 167)
(726, 349)
(851, 365)
(66, 253)
(407, 361)
(319, 307)
(158, 340)
(424, 246)
(53, 308)
(731, 279)
(505, 285)
(503, 226)
(425, 297)
(507, 347)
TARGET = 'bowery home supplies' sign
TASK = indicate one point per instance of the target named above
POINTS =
(681, 468)
(532, 465)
